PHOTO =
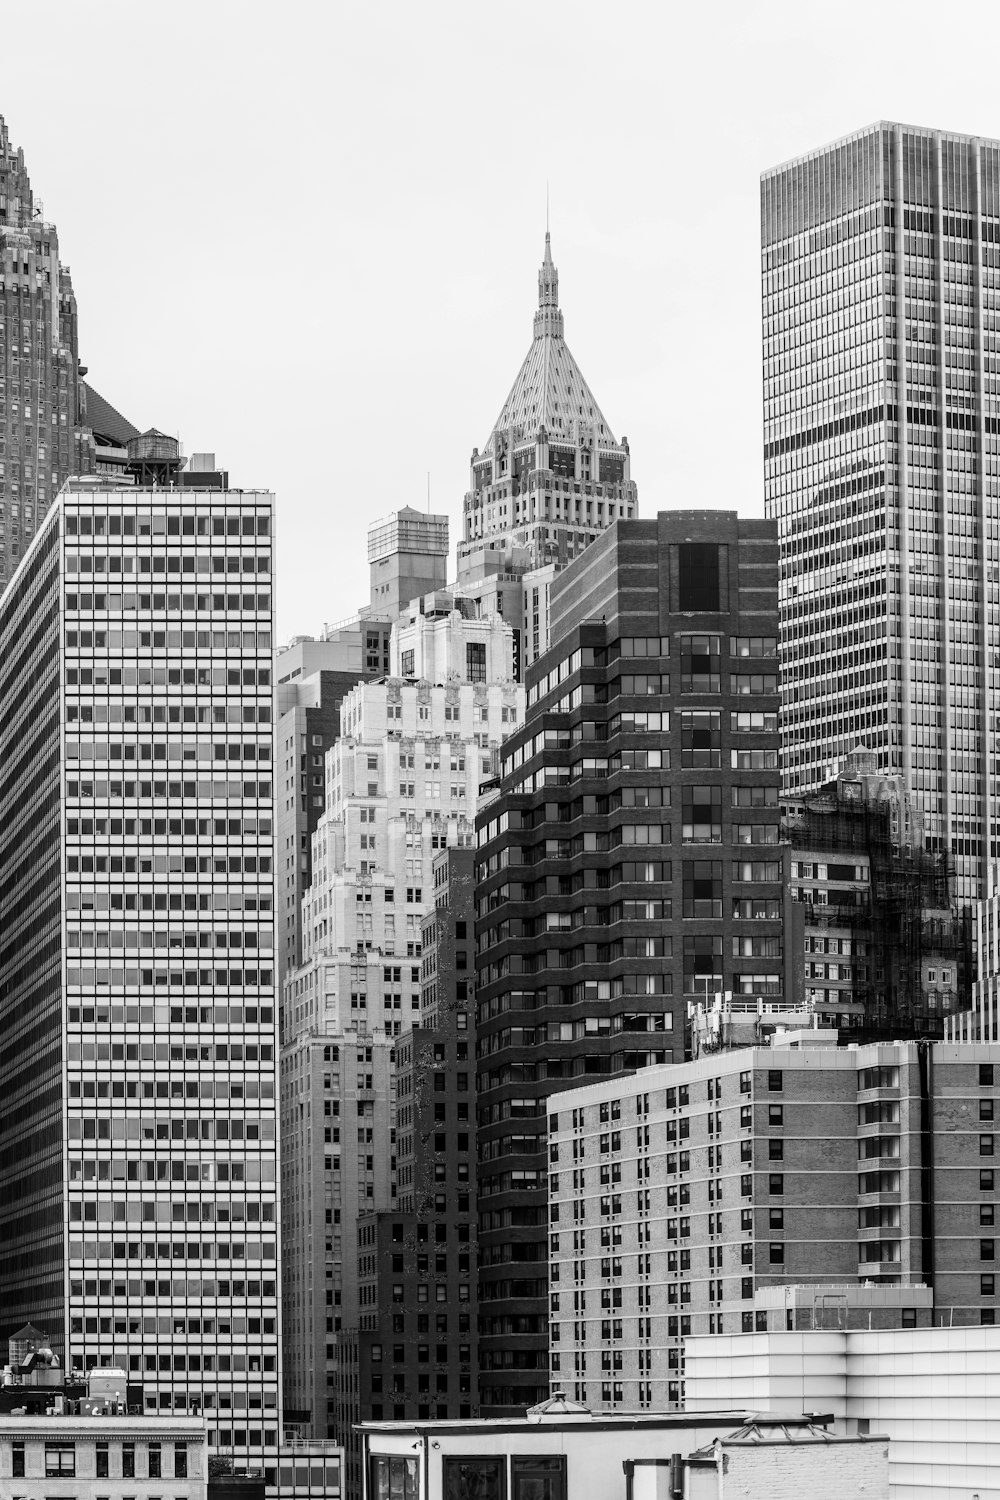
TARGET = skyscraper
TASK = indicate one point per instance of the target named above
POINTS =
(138, 1194)
(601, 913)
(551, 478)
(43, 426)
(881, 297)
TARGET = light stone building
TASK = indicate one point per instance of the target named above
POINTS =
(102, 1457)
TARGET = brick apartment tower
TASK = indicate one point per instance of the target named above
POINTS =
(43, 409)
(628, 866)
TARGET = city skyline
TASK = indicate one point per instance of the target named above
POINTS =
(387, 186)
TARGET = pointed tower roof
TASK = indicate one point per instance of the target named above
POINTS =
(549, 391)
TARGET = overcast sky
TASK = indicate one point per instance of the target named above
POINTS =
(307, 235)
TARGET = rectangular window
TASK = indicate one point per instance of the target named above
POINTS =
(703, 974)
(698, 577)
(701, 738)
(60, 1459)
(466, 1478)
(702, 888)
(475, 661)
(701, 814)
(701, 663)
(406, 663)
(398, 1477)
(539, 1477)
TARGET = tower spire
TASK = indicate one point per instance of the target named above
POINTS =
(548, 319)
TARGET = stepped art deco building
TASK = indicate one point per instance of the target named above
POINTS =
(138, 1150)
(44, 435)
(880, 259)
(550, 479)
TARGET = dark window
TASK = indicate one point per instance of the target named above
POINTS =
(986, 1145)
(702, 964)
(17, 1460)
(986, 1182)
(985, 1073)
(776, 1218)
(986, 1109)
(406, 664)
(475, 661)
(155, 1461)
(701, 815)
(909, 1317)
(128, 1460)
(702, 888)
(102, 1470)
(538, 1478)
(774, 1081)
(776, 1114)
(470, 1479)
(698, 576)
(776, 1184)
(701, 737)
(700, 663)
(987, 1249)
(777, 1255)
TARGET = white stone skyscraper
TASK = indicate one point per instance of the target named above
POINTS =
(138, 1151)
(880, 259)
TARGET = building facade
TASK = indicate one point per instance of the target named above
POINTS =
(47, 437)
(679, 1194)
(313, 677)
(407, 558)
(103, 1457)
(980, 1020)
(338, 1112)
(881, 285)
(601, 913)
(138, 1193)
(414, 1351)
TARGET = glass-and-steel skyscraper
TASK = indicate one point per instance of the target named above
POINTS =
(880, 259)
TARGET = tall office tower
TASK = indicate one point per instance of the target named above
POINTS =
(313, 678)
(791, 1165)
(138, 1212)
(45, 422)
(600, 913)
(880, 257)
(413, 1351)
(552, 476)
(407, 558)
(337, 1163)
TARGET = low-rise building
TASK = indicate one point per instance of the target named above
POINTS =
(931, 1391)
(102, 1457)
(561, 1451)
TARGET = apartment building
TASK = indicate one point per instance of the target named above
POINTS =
(679, 1193)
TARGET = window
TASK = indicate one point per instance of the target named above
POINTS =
(774, 1081)
(986, 1182)
(17, 1460)
(475, 661)
(701, 814)
(986, 1145)
(154, 1458)
(60, 1459)
(541, 1477)
(102, 1470)
(466, 1478)
(776, 1218)
(398, 1477)
(776, 1184)
(702, 888)
(776, 1114)
(700, 663)
(987, 1249)
(986, 1109)
(909, 1318)
(776, 1255)
(702, 964)
(985, 1074)
(698, 577)
(701, 738)
(406, 663)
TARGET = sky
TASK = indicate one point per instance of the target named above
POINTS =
(306, 236)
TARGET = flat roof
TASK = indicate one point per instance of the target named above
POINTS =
(598, 1422)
